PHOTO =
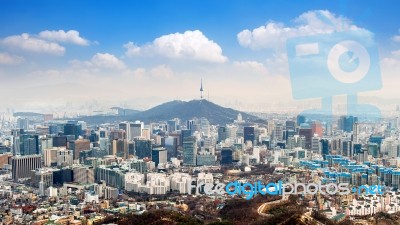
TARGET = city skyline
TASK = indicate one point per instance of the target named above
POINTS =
(141, 55)
(193, 112)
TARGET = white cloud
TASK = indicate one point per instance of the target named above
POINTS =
(188, 45)
(106, 60)
(8, 59)
(99, 60)
(274, 34)
(132, 49)
(251, 65)
(33, 44)
(71, 36)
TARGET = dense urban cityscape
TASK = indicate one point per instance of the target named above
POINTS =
(67, 171)
(199, 112)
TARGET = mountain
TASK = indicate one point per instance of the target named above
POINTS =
(196, 108)
(27, 114)
(125, 112)
(179, 109)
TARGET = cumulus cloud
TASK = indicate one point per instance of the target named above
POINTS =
(8, 59)
(33, 44)
(106, 60)
(274, 34)
(188, 45)
(71, 36)
(131, 49)
(99, 60)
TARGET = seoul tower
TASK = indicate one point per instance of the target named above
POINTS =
(201, 88)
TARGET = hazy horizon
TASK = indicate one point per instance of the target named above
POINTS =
(136, 56)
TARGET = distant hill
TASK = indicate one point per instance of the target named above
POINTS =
(180, 109)
(196, 108)
(27, 114)
(125, 112)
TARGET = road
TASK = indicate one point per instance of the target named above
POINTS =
(306, 218)
(261, 209)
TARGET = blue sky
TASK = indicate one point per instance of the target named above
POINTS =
(115, 22)
(106, 26)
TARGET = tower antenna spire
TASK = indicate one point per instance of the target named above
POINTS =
(201, 88)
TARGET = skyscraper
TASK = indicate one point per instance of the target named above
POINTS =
(325, 150)
(373, 150)
(231, 131)
(278, 132)
(73, 128)
(189, 124)
(248, 134)
(146, 133)
(355, 137)
(159, 155)
(347, 148)
(317, 128)
(171, 125)
(171, 145)
(143, 148)
(50, 156)
(357, 148)
(131, 148)
(126, 127)
(315, 143)
(308, 134)
(205, 127)
(119, 148)
(136, 129)
(222, 133)
(29, 144)
(78, 146)
(226, 156)
(117, 134)
(184, 134)
(189, 151)
(346, 123)
(60, 141)
(45, 143)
